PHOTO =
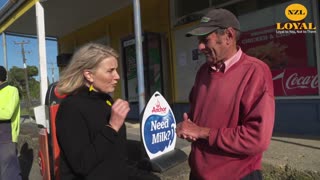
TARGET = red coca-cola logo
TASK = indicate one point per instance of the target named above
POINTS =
(295, 81)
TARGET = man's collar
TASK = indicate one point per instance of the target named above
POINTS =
(235, 58)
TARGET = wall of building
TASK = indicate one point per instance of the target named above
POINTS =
(293, 115)
(118, 25)
(297, 104)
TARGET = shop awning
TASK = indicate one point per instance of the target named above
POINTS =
(56, 18)
(61, 16)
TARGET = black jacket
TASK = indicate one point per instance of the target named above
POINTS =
(89, 149)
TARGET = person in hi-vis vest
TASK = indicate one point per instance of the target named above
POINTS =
(9, 129)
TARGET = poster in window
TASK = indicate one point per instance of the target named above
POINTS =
(286, 55)
(277, 50)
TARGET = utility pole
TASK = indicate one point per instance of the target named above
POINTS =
(23, 52)
(52, 71)
(4, 45)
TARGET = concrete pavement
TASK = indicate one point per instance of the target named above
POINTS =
(297, 152)
(288, 157)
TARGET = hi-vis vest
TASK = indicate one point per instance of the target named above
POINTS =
(9, 113)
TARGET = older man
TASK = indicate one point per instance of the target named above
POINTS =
(232, 111)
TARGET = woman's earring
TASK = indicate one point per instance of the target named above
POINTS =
(91, 88)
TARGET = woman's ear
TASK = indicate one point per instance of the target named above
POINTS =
(88, 75)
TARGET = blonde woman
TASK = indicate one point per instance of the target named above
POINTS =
(90, 125)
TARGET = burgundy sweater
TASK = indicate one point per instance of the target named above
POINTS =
(238, 106)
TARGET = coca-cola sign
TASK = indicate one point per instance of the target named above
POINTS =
(295, 81)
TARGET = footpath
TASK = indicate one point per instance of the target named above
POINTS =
(288, 157)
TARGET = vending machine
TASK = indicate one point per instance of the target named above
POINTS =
(152, 65)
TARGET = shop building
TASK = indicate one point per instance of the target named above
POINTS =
(270, 31)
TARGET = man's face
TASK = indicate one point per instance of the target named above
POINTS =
(213, 46)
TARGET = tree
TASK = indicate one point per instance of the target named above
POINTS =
(16, 77)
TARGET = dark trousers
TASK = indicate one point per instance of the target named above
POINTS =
(9, 163)
(255, 175)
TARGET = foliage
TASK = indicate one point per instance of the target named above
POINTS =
(16, 77)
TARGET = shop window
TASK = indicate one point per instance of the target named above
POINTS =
(290, 54)
(186, 11)
(185, 7)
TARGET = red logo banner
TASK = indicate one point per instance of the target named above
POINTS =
(295, 81)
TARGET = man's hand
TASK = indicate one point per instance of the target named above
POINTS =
(184, 127)
(190, 131)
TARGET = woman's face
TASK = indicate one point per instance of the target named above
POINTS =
(105, 77)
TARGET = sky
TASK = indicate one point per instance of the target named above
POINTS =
(14, 54)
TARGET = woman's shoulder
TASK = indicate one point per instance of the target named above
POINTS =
(74, 100)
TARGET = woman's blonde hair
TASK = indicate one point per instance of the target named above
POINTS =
(87, 57)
